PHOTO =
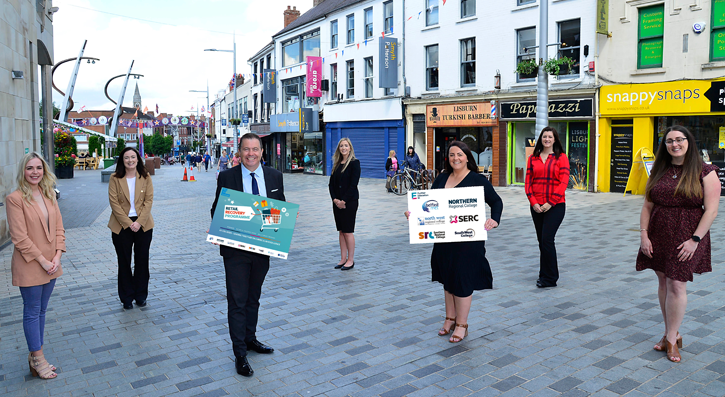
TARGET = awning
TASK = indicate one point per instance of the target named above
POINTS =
(228, 144)
(85, 131)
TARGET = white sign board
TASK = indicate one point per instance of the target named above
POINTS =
(447, 215)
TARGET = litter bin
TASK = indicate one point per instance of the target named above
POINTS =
(150, 166)
(108, 162)
(157, 162)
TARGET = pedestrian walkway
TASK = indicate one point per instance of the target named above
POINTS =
(369, 331)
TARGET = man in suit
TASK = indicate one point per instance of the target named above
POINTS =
(245, 271)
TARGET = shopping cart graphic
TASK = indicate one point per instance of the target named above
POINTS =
(271, 217)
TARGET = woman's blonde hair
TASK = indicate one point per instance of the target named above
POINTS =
(46, 184)
(391, 153)
(337, 157)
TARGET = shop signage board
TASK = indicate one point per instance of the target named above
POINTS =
(578, 155)
(285, 122)
(269, 90)
(651, 32)
(558, 109)
(314, 77)
(447, 215)
(460, 114)
(677, 97)
(253, 223)
(603, 16)
(306, 120)
(621, 158)
(388, 58)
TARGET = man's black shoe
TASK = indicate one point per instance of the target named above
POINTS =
(128, 306)
(141, 303)
(243, 367)
(259, 347)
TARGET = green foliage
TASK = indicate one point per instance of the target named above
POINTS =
(147, 149)
(120, 144)
(94, 143)
(65, 145)
(56, 110)
(157, 144)
(558, 66)
(168, 143)
(526, 67)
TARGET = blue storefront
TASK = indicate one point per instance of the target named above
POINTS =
(371, 139)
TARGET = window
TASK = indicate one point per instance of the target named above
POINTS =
(297, 49)
(431, 67)
(525, 38)
(255, 73)
(350, 29)
(333, 34)
(651, 34)
(431, 12)
(388, 16)
(333, 81)
(368, 23)
(350, 79)
(569, 37)
(468, 8)
(369, 77)
(255, 115)
(522, 2)
(468, 62)
(293, 92)
(717, 32)
(269, 62)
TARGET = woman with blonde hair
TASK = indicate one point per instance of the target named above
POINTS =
(36, 229)
(344, 194)
(391, 167)
(237, 159)
(223, 161)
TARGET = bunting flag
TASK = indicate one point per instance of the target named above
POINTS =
(383, 34)
(444, 2)
(135, 115)
(410, 17)
(192, 108)
(82, 108)
(202, 109)
(157, 108)
(145, 109)
(358, 46)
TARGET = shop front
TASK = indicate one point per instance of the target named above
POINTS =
(635, 116)
(298, 144)
(470, 123)
(573, 120)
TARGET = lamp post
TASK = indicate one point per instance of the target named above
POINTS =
(236, 111)
(208, 139)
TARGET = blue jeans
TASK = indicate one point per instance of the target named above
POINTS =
(35, 303)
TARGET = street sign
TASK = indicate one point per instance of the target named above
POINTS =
(245, 119)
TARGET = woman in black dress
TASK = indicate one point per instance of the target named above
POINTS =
(462, 267)
(344, 195)
(680, 204)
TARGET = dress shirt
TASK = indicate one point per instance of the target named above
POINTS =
(247, 180)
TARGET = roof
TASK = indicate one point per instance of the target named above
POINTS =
(264, 49)
(322, 9)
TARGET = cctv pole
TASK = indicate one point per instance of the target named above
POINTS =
(542, 86)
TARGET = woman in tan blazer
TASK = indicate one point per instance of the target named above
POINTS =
(131, 194)
(36, 229)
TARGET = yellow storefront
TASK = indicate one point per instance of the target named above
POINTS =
(634, 116)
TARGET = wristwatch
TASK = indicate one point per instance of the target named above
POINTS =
(695, 238)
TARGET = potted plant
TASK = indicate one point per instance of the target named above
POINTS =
(235, 121)
(65, 156)
(559, 66)
(527, 68)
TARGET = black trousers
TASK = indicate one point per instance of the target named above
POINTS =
(547, 224)
(133, 285)
(206, 165)
(245, 273)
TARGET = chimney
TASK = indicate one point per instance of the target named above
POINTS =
(315, 3)
(290, 15)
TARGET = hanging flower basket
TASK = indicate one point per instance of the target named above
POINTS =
(559, 66)
(527, 68)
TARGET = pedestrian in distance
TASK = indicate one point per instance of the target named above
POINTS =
(681, 202)
(131, 195)
(412, 159)
(189, 159)
(345, 195)
(391, 167)
(462, 267)
(36, 230)
(199, 160)
(207, 159)
(237, 159)
(223, 161)
(547, 176)
(245, 271)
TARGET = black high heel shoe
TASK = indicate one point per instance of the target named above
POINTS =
(340, 265)
(348, 268)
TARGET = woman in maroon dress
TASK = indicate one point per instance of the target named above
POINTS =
(680, 204)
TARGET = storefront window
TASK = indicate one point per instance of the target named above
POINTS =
(304, 152)
(524, 140)
(705, 128)
(293, 91)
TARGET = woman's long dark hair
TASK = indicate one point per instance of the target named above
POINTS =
(407, 151)
(558, 148)
(470, 164)
(121, 167)
(689, 184)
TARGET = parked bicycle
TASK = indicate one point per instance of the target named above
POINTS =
(407, 179)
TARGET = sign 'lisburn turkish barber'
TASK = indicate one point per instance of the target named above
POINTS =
(388, 58)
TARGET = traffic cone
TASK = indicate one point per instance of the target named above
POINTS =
(191, 175)
(185, 180)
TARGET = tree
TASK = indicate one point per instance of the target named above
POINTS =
(147, 144)
(95, 143)
(157, 144)
(120, 144)
(56, 110)
(168, 143)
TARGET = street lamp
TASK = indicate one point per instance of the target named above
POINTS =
(236, 112)
(208, 139)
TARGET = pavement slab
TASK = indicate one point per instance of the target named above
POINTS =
(372, 330)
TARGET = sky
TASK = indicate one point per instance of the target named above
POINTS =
(166, 40)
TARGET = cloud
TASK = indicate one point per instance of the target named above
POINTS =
(171, 58)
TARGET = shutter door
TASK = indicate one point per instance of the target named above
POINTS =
(369, 144)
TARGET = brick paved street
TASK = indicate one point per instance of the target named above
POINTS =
(372, 330)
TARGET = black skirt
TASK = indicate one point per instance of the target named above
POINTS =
(345, 219)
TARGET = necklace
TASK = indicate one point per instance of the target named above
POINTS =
(674, 173)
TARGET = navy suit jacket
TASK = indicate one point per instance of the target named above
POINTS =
(232, 179)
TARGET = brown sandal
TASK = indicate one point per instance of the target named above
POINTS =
(443, 331)
(455, 339)
(662, 345)
(52, 367)
(673, 352)
(40, 367)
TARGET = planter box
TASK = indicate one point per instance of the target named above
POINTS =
(64, 172)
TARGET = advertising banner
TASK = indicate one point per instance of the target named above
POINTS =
(253, 223)
(314, 77)
(306, 120)
(269, 90)
(388, 58)
(673, 98)
(447, 215)
(603, 17)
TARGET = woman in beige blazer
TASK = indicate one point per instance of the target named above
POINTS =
(36, 229)
(131, 194)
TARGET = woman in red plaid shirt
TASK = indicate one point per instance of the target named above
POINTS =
(547, 176)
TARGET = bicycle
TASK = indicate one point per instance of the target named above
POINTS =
(404, 181)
